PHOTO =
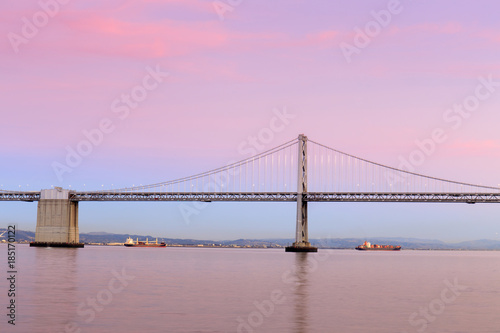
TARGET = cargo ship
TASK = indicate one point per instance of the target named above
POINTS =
(367, 246)
(130, 243)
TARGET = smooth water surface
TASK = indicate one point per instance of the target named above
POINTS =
(118, 289)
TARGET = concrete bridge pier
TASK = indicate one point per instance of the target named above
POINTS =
(57, 220)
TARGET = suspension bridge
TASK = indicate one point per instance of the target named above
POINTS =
(299, 170)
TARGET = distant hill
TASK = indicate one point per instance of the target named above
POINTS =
(409, 243)
(21, 235)
(333, 243)
(104, 237)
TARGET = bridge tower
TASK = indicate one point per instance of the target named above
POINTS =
(57, 220)
(301, 243)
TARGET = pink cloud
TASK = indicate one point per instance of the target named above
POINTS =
(205, 6)
(489, 35)
(110, 36)
(434, 28)
(114, 30)
(489, 148)
(419, 42)
(327, 36)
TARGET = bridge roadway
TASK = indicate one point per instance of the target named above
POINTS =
(265, 196)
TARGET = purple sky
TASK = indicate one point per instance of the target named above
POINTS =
(368, 77)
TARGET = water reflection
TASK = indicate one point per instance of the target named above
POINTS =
(205, 290)
(301, 293)
(55, 288)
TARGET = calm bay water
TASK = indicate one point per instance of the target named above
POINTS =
(118, 289)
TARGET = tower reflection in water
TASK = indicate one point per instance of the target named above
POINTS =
(301, 293)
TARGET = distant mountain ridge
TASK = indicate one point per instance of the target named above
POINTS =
(335, 243)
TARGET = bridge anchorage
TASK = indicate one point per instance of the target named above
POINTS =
(299, 171)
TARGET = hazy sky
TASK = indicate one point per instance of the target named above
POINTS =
(168, 88)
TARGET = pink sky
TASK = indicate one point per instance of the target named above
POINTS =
(225, 79)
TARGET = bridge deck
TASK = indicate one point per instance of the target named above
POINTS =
(268, 197)
(19, 196)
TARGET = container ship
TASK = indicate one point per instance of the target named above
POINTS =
(367, 246)
(130, 243)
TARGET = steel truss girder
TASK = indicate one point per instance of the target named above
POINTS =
(19, 196)
(403, 197)
(181, 196)
(268, 196)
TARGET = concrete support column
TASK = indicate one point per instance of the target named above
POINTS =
(57, 220)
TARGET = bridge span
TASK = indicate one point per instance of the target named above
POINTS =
(287, 173)
(470, 198)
